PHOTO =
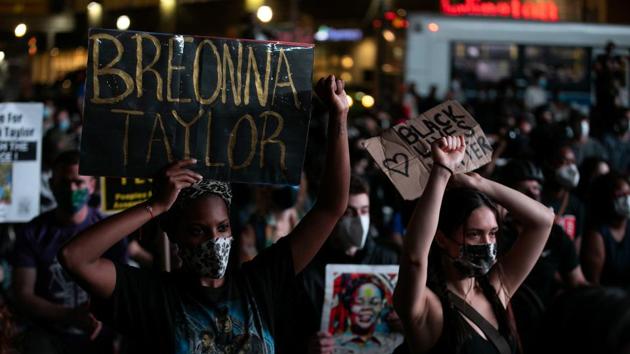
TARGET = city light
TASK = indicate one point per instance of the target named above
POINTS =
(350, 101)
(94, 7)
(1, 56)
(367, 101)
(264, 13)
(389, 35)
(347, 62)
(433, 27)
(123, 22)
(20, 30)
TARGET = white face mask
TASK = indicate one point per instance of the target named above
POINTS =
(209, 259)
(622, 206)
(351, 231)
(568, 176)
(585, 128)
(365, 225)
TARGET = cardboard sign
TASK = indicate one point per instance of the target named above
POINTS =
(357, 304)
(118, 194)
(240, 107)
(403, 152)
(20, 160)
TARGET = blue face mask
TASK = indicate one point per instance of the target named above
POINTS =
(64, 125)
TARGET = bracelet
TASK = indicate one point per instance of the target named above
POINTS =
(435, 163)
(149, 209)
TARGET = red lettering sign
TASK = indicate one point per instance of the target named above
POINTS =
(517, 9)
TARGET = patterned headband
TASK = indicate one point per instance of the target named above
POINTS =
(203, 188)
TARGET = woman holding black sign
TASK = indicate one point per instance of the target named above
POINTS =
(463, 308)
(210, 305)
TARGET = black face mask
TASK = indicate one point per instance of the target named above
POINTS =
(475, 260)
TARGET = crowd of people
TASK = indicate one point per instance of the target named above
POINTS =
(529, 254)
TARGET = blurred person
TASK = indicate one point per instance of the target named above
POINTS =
(243, 307)
(562, 176)
(536, 92)
(429, 101)
(276, 221)
(590, 169)
(582, 144)
(349, 243)
(589, 320)
(617, 143)
(55, 306)
(557, 268)
(606, 251)
(453, 298)
(608, 69)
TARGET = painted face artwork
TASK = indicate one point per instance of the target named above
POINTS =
(209, 259)
(366, 306)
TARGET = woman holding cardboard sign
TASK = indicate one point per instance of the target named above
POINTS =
(212, 304)
(459, 305)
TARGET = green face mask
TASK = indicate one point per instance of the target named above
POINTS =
(71, 200)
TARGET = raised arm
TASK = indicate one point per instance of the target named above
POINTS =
(418, 308)
(536, 219)
(83, 255)
(332, 199)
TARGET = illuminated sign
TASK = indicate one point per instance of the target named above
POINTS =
(324, 34)
(517, 9)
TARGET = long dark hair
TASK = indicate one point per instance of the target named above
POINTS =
(457, 206)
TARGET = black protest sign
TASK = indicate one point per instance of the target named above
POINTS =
(403, 152)
(118, 194)
(240, 107)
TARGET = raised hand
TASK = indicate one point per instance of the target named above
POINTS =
(170, 181)
(449, 151)
(331, 91)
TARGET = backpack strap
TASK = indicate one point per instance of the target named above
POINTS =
(492, 334)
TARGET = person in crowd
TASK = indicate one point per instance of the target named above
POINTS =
(536, 92)
(609, 73)
(590, 169)
(349, 243)
(429, 101)
(211, 302)
(618, 142)
(582, 144)
(55, 306)
(562, 176)
(279, 218)
(464, 222)
(589, 320)
(557, 268)
(606, 251)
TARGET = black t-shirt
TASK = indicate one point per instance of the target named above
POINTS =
(559, 256)
(572, 218)
(171, 313)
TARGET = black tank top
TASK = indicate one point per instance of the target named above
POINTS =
(475, 344)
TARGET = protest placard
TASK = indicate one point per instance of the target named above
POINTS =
(403, 152)
(20, 160)
(240, 107)
(357, 305)
(118, 194)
